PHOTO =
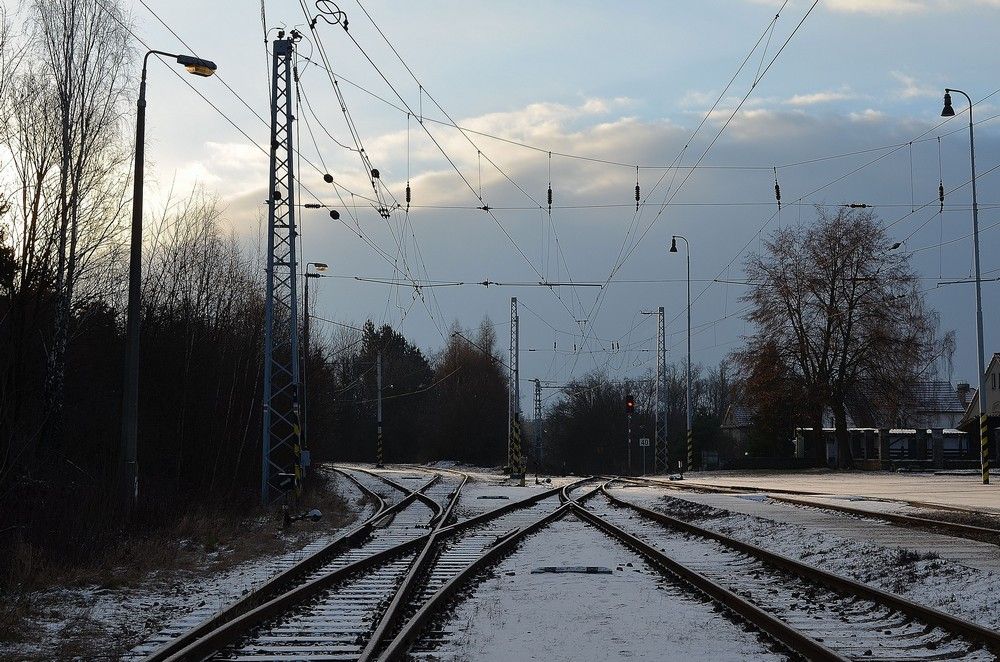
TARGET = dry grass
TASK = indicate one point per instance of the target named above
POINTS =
(205, 541)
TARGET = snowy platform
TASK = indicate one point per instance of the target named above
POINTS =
(964, 492)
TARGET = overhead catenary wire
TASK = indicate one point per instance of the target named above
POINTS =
(774, 170)
(485, 207)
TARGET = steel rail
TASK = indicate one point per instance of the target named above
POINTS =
(393, 612)
(232, 630)
(956, 529)
(411, 629)
(197, 648)
(830, 580)
(428, 501)
(279, 583)
(776, 628)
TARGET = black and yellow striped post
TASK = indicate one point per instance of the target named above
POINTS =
(378, 413)
(690, 441)
(297, 446)
(984, 447)
(517, 465)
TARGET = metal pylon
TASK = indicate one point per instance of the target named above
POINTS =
(538, 425)
(660, 442)
(281, 469)
(515, 459)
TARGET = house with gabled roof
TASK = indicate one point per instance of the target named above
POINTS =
(970, 419)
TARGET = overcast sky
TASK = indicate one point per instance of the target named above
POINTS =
(627, 82)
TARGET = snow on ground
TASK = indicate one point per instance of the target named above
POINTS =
(120, 618)
(488, 489)
(632, 613)
(949, 586)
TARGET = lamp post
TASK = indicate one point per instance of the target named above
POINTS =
(320, 267)
(984, 445)
(130, 396)
(690, 409)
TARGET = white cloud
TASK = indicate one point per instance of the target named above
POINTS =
(894, 7)
(825, 96)
(867, 115)
(912, 88)
(878, 6)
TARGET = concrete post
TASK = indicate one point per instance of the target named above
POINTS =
(937, 436)
(920, 441)
(883, 447)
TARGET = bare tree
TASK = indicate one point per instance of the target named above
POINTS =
(842, 310)
(85, 49)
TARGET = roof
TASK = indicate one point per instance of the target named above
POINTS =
(936, 396)
(737, 416)
(971, 414)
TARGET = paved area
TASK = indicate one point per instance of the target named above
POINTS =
(947, 491)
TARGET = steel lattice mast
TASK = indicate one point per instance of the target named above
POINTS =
(281, 467)
(660, 456)
(538, 425)
(515, 459)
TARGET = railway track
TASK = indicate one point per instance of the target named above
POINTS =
(386, 595)
(850, 619)
(809, 613)
(348, 608)
(800, 499)
(391, 499)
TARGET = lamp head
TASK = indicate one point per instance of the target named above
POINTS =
(196, 65)
(673, 245)
(947, 111)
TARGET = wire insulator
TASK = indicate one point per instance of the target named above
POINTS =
(941, 195)
(407, 194)
(637, 188)
(550, 197)
(334, 214)
(328, 178)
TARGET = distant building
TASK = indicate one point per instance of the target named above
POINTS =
(905, 428)
(736, 424)
(970, 420)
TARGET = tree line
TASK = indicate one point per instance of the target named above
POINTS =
(67, 80)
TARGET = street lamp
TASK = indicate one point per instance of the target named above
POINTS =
(984, 445)
(690, 431)
(320, 267)
(130, 397)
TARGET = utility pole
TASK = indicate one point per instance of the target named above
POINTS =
(515, 460)
(538, 425)
(984, 443)
(319, 266)
(660, 410)
(660, 453)
(629, 410)
(690, 403)
(281, 469)
(130, 392)
(628, 441)
(379, 458)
